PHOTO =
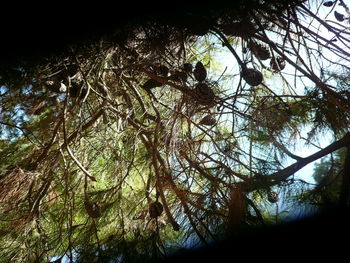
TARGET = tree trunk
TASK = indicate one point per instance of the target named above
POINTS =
(237, 210)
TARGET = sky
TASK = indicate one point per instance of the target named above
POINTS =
(228, 62)
(306, 172)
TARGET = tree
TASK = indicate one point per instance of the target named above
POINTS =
(130, 146)
(329, 172)
(328, 175)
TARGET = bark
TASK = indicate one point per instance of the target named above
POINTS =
(237, 209)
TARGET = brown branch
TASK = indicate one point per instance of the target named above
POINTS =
(275, 178)
(327, 26)
(237, 209)
(137, 95)
(160, 191)
(87, 125)
(66, 144)
(228, 45)
(23, 130)
(183, 201)
(47, 148)
(153, 153)
(227, 168)
(334, 97)
(284, 149)
(202, 172)
(256, 210)
(165, 81)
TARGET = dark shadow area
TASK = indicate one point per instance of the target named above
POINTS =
(311, 237)
(31, 31)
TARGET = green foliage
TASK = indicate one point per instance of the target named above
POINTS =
(13, 153)
(328, 174)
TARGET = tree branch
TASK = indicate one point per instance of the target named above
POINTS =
(275, 178)
(66, 144)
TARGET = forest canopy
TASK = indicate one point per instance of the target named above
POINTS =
(139, 143)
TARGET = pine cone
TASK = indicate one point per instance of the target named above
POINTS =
(199, 72)
(329, 3)
(176, 227)
(340, 17)
(260, 51)
(272, 197)
(92, 209)
(277, 64)
(203, 94)
(208, 121)
(155, 209)
(252, 76)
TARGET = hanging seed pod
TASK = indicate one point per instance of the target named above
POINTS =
(260, 51)
(92, 209)
(199, 72)
(340, 17)
(203, 94)
(252, 76)
(150, 84)
(228, 148)
(208, 121)
(272, 197)
(155, 209)
(277, 64)
(329, 3)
